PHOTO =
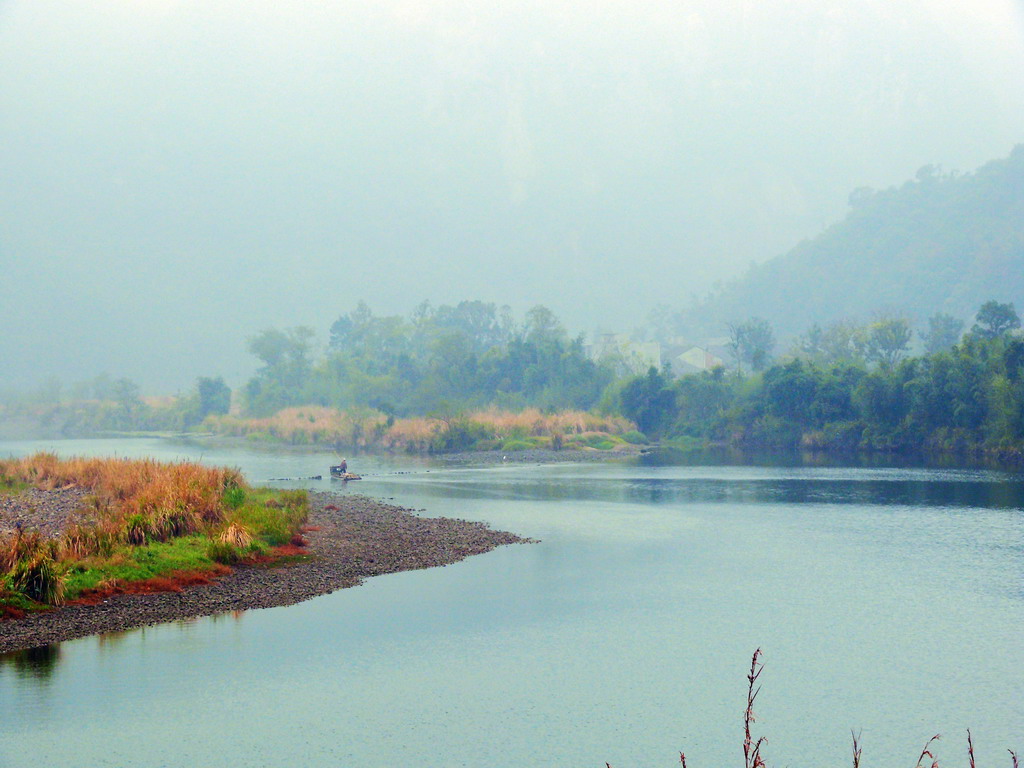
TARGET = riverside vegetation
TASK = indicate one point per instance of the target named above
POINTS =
(419, 383)
(477, 431)
(468, 377)
(847, 388)
(450, 378)
(145, 526)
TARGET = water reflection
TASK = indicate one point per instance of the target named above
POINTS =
(109, 641)
(40, 663)
(736, 457)
(33, 663)
(853, 491)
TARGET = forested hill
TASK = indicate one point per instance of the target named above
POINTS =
(940, 243)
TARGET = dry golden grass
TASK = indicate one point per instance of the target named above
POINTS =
(174, 498)
(370, 429)
(411, 432)
(308, 425)
(136, 503)
(237, 536)
(536, 424)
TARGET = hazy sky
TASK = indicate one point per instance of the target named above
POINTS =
(177, 174)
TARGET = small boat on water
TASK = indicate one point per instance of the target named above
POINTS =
(340, 472)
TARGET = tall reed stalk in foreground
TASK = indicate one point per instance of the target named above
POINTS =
(752, 749)
(752, 757)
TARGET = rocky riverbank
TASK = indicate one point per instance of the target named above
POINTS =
(49, 512)
(349, 538)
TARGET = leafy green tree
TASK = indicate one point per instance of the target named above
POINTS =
(214, 396)
(1013, 359)
(752, 342)
(833, 401)
(942, 334)
(478, 322)
(543, 327)
(965, 398)
(650, 402)
(880, 399)
(286, 370)
(994, 320)
(129, 404)
(758, 341)
(100, 387)
(789, 391)
(886, 341)
(471, 354)
(837, 343)
(1005, 423)
(702, 401)
(283, 353)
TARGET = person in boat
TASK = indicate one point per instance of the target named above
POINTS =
(343, 467)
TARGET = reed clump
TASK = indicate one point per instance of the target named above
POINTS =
(32, 567)
(142, 520)
(237, 536)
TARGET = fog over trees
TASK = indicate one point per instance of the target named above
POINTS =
(178, 175)
(941, 242)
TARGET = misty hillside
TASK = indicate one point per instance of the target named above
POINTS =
(179, 175)
(939, 243)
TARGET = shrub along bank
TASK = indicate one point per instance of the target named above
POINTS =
(143, 521)
(484, 430)
(968, 399)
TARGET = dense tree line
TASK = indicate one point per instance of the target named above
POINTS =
(439, 358)
(842, 387)
(850, 388)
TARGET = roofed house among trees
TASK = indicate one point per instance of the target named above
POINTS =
(694, 360)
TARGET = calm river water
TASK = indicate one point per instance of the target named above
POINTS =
(886, 600)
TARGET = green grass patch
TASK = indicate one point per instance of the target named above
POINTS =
(234, 497)
(270, 515)
(252, 520)
(128, 563)
(599, 440)
(516, 444)
(10, 598)
(10, 485)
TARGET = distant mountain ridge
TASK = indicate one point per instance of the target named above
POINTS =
(939, 243)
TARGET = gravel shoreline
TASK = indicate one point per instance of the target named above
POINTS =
(357, 537)
(49, 512)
